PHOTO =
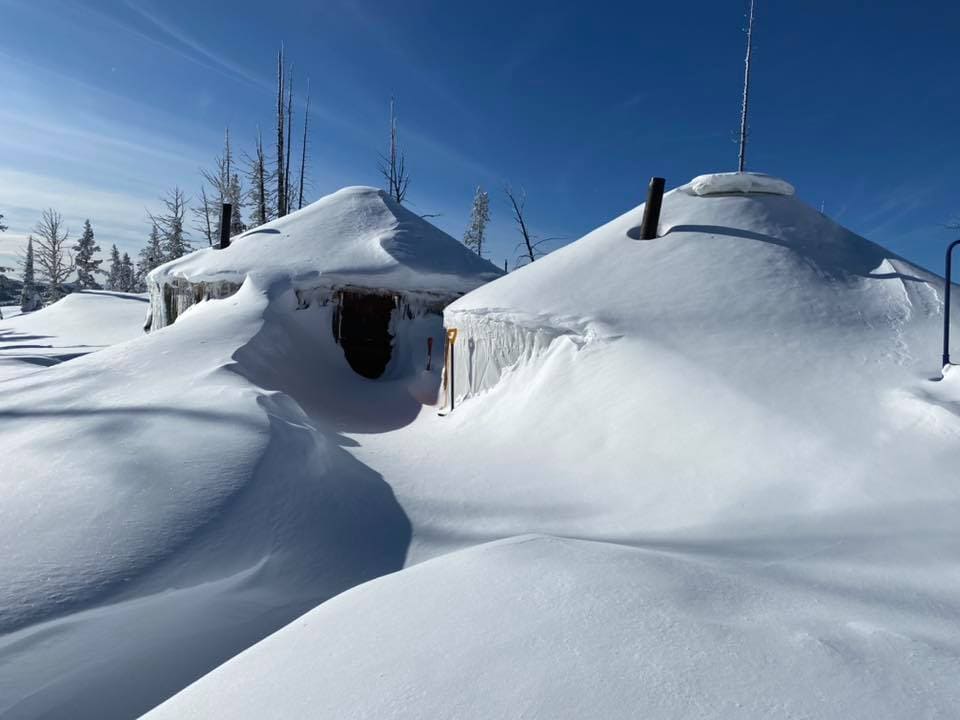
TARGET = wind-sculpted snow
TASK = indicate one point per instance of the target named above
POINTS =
(746, 417)
(545, 627)
(736, 436)
(161, 512)
(76, 325)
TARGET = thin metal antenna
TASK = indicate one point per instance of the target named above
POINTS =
(746, 92)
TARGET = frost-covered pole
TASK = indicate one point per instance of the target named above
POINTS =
(746, 92)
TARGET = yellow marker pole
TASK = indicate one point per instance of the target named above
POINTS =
(451, 339)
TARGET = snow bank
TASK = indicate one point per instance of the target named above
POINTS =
(735, 421)
(745, 182)
(544, 627)
(357, 237)
(77, 324)
(158, 517)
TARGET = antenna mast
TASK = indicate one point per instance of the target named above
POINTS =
(746, 92)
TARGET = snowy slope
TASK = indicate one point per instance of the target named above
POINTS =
(544, 627)
(740, 415)
(160, 512)
(356, 236)
(76, 325)
(732, 427)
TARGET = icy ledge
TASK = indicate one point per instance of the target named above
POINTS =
(717, 183)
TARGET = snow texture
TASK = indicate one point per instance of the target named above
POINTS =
(357, 237)
(546, 627)
(707, 475)
(739, 182)
(763, 272)
(75, 325)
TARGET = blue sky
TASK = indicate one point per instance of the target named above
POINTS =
(107, 104)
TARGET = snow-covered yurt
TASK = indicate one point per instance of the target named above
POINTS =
(376, 263)
(738, 262)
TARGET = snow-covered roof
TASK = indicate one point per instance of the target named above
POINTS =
(719, 259)
(738, 182)
(356, 236)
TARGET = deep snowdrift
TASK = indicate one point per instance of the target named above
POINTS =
(741, 411)
(737, 415)
(160, 511)
(78, 324)
(551, 628)
(741, 284)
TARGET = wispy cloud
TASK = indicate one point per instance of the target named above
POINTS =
(118, 217)
(178, 41)
(175, 41)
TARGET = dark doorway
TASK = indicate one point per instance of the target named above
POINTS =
(361, 324)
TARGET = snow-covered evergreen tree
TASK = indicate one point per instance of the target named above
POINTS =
(54, 262)
(476, 233)
(235, 198)
(151, 255)
(87, 266)
(29, 296)
(115, 273)
(172, 232)
(127, 279)
(2, 226)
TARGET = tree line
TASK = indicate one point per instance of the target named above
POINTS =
(260, 187)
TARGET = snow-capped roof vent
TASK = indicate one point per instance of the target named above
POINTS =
(733, 182)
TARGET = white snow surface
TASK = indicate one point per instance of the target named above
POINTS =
(77, 324)
(713, 477)
(356, 236)
(739, 182)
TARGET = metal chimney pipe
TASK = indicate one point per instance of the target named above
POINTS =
(946, 302)
(225, 213)
(651, 211)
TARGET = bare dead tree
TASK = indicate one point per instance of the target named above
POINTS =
(205, 227)
(529, 247)
(393, 166)
(303, 148)
(288, 201)
(745, 106)
(258, 196)
(281, 129)
(53, 259)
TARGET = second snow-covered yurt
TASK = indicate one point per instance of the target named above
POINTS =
(373, 260)
(743, 280)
